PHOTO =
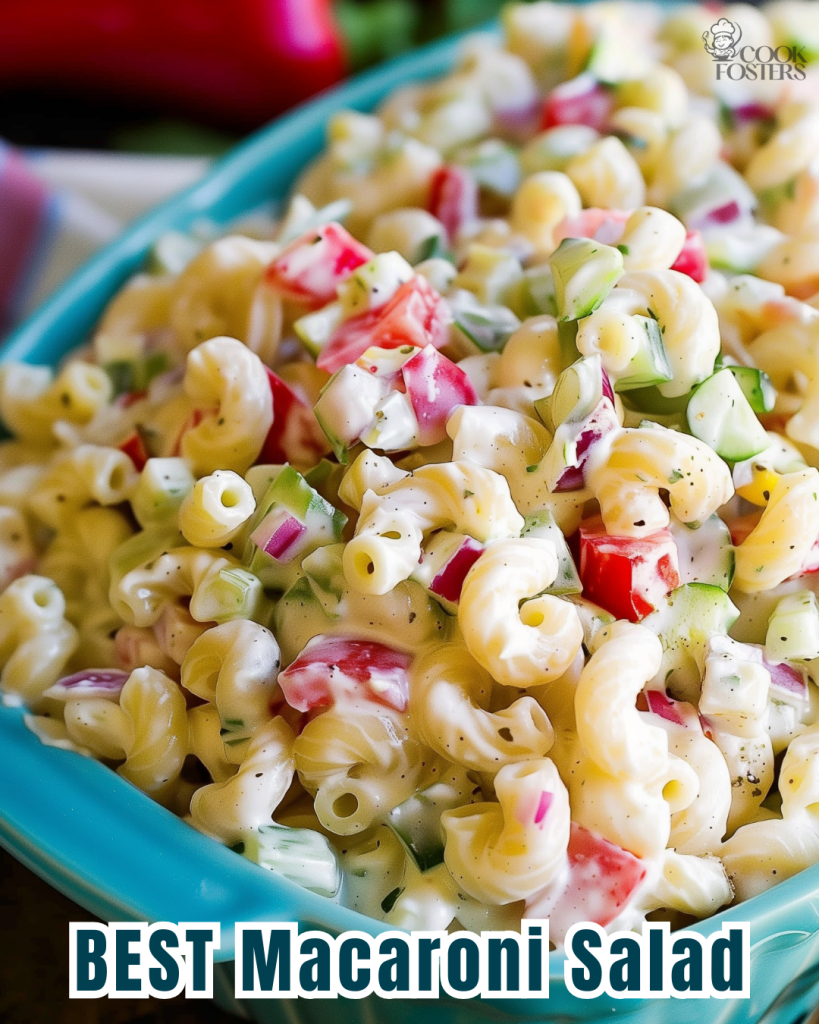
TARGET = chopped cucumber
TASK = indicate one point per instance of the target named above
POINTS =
(316, 329)
(592, 617)
(584, 272)
(494, 165)
(346, 406)
(756, 386)
(651, 400)
(543, 525)
(690, 616)
(289, 490)
(535, 293)
(172, 252)
(706, 554)
(649, 365)
(740, 249)
(793, 629)
(577, 391)
(488, 327)
(373, 283)
(417, 821)
(298, 854)
(489, 274)
(735, 685)
(720, 415)
(567, 339)
(722, 187)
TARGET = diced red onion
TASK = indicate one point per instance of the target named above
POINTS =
(543, 807)
(659, 704)
(91, 682)
(450, 580)
(278, 534)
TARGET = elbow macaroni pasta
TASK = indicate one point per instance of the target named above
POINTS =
(478, 675)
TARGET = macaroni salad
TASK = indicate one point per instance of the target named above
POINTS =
(451, 548)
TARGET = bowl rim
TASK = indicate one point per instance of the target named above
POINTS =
(59, 325)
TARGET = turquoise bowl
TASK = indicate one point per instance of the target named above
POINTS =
(122, 857)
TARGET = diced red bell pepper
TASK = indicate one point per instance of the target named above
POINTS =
(294, 435)
(134, 447)
(693, 259)
(628, 576)
(583, 100)
(602, 879)
(334, 669)
(453, 198)
(436, 386)
(415, 315)
(313, 265)
(129, 398)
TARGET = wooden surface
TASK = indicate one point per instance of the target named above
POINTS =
(34, 922)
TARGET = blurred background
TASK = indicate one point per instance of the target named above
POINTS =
(109, 106)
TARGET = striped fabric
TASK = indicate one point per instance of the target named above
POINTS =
(58, 207)
(27, 210)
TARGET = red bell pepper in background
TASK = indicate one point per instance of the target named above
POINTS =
(453, 198)
(239, 62)
(628, 576)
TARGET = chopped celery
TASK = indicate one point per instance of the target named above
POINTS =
(129, 375)
(324, 571)
(300, 855)
(231, 593)
(567, 339)
(584, 273)
(649, 365)
(577, 392)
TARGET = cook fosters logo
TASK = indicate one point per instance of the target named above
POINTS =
(752, 63)
(726, 36)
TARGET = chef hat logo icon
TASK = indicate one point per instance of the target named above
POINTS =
(725, 36)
